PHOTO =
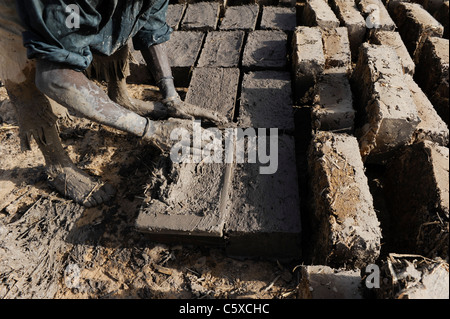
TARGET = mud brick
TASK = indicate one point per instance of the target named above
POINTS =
(431, 126)
(262, 225)
(265, 50)
(266, 101)
(350, 17)
(240, 18)
(202, 16)
(432, 74)
(412, 277)
(279, 18)
(192, 204)
(337, 49)
(183, 49)
(333, 103)
(417, 194)
(318, 13)
(391, 115)
(415, 25)
(308, 60)
(376, 14)
(393, 39)
(214, 89)
(442, 16)
(323, 282)
(222, 49)
(174, 15)
(346, 229)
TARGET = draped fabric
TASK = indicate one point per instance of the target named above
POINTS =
(58, 33)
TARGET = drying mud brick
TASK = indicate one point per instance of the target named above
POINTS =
(432, 74)
(240, 18)
(34, 246)
(417, 193)
(214, 89)
(318, 13)
(260, 224)
(376, 15)
(336, 47)
(442, 16)
(390, 113)
(413, 277)
(265, 50)
(415, 25)
(308, 59)
(266, 101)
(201, 16)
(174, 15)
(333, 108)
(278, 18)
(350, 17)
(190, 203)
(183, 49)
(393, 39)
(322, 282)
(346, 229)
(222, 49)
(431, 126)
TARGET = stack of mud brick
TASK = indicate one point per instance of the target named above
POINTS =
(233, 58)
(351, 85)
(374, 77)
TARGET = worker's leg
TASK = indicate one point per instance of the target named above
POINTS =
(37, 119)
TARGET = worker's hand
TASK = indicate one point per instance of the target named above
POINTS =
(165, 134)
(180, 109)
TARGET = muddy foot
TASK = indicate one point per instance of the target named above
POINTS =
(75, 184)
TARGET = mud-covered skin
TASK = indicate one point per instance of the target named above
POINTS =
(62, 173)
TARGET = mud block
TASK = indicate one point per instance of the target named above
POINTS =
(260, 224)
(348, 14)
(266, 101)
(390, 113)
(431, 126)
(413, 277)
(214, 89)
(442, 16)
(333, 108)
(201, 16)
(240, 18)
(174, 15)
(222, 49)
(308, 59)
(376, 15)
(279, 18)
(337, 49)
(322, 282)
(417, 194)
(318, 13)
(191, 203)
(346, 229)
(183, 49)
(432, 74)
(265, 50)
(415, 25)
(393, 39)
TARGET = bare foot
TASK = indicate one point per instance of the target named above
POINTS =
(75, 184)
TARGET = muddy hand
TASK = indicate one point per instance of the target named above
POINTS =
(159, 133)
(180, 109)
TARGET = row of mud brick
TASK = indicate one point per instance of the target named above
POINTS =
(359, 92)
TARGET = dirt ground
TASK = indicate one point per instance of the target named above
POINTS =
(52, 248)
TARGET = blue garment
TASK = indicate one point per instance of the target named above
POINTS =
(54, 34)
